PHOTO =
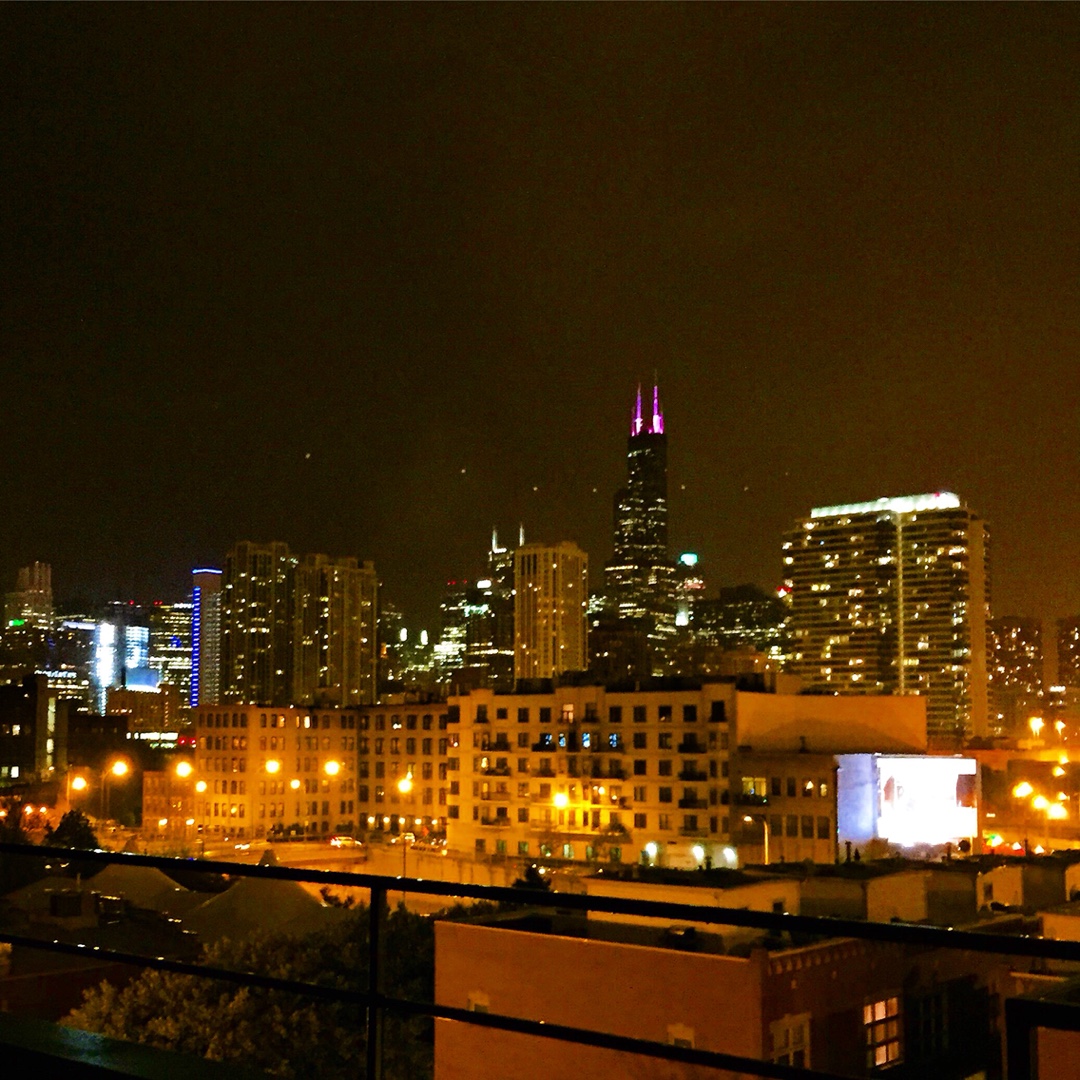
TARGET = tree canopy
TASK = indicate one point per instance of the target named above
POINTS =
(74, 831)
(284, 1034)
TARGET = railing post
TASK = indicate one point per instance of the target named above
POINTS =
(376, 917)
(1021, 1041)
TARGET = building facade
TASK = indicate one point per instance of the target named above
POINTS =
(661, 774)
(294, 772)
(586, 774)
(31, 604)
(205, 686)
(1015, 673)
(892, 597)
(170, 645)
(551, 586)
(1068, 652)
(335, 657)
(256, 624)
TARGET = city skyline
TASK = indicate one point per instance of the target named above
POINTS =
(371, 281)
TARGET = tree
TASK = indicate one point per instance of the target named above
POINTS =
(73, 831)
(285, 1034)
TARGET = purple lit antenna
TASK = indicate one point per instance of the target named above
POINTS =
(636, 422)
(657, 426)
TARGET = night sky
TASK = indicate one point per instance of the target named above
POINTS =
(372, 279)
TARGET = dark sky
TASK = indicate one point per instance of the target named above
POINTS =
(372, 279)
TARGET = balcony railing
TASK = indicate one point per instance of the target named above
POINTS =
(496, 821)
(693, 804)
(496, 770)
(1023, 1015)
(743, 799)
(695, 775)
(691, 746)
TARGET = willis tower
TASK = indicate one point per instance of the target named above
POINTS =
(640, 577)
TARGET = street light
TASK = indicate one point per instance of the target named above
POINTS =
(404, 785)
(750, 818)
(75, 783)
(117, 770)
(184, 769)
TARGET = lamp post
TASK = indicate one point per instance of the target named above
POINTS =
(75, 783)
(1022, 791)
(404, 785)
(750, 818)
(118, 769)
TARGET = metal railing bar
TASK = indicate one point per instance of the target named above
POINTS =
(182, 967)
(911, 934)
(641, 1047)
(374, 1019)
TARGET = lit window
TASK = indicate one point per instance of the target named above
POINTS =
(881, 1022)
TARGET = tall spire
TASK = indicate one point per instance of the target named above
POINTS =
(657, 425)
(637, 422)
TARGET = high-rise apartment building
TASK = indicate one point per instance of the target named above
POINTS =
(205, 686)
(640, 576)
(892, 597)
(170, 645)
(334, 631)
(1015, 672)
(257, 624)
(1068, 652)
(551, 597)
(31, 604)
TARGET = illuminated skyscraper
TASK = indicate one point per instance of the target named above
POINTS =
(31, 604)
(205, 688)
(551, 596)
(892, 597)
(1016, 673)
(1068, 652)
(256, 624)
(170, 645)
(334, 632)
(640, 576)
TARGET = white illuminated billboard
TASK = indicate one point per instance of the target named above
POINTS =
(926, 800)
(907, 800)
